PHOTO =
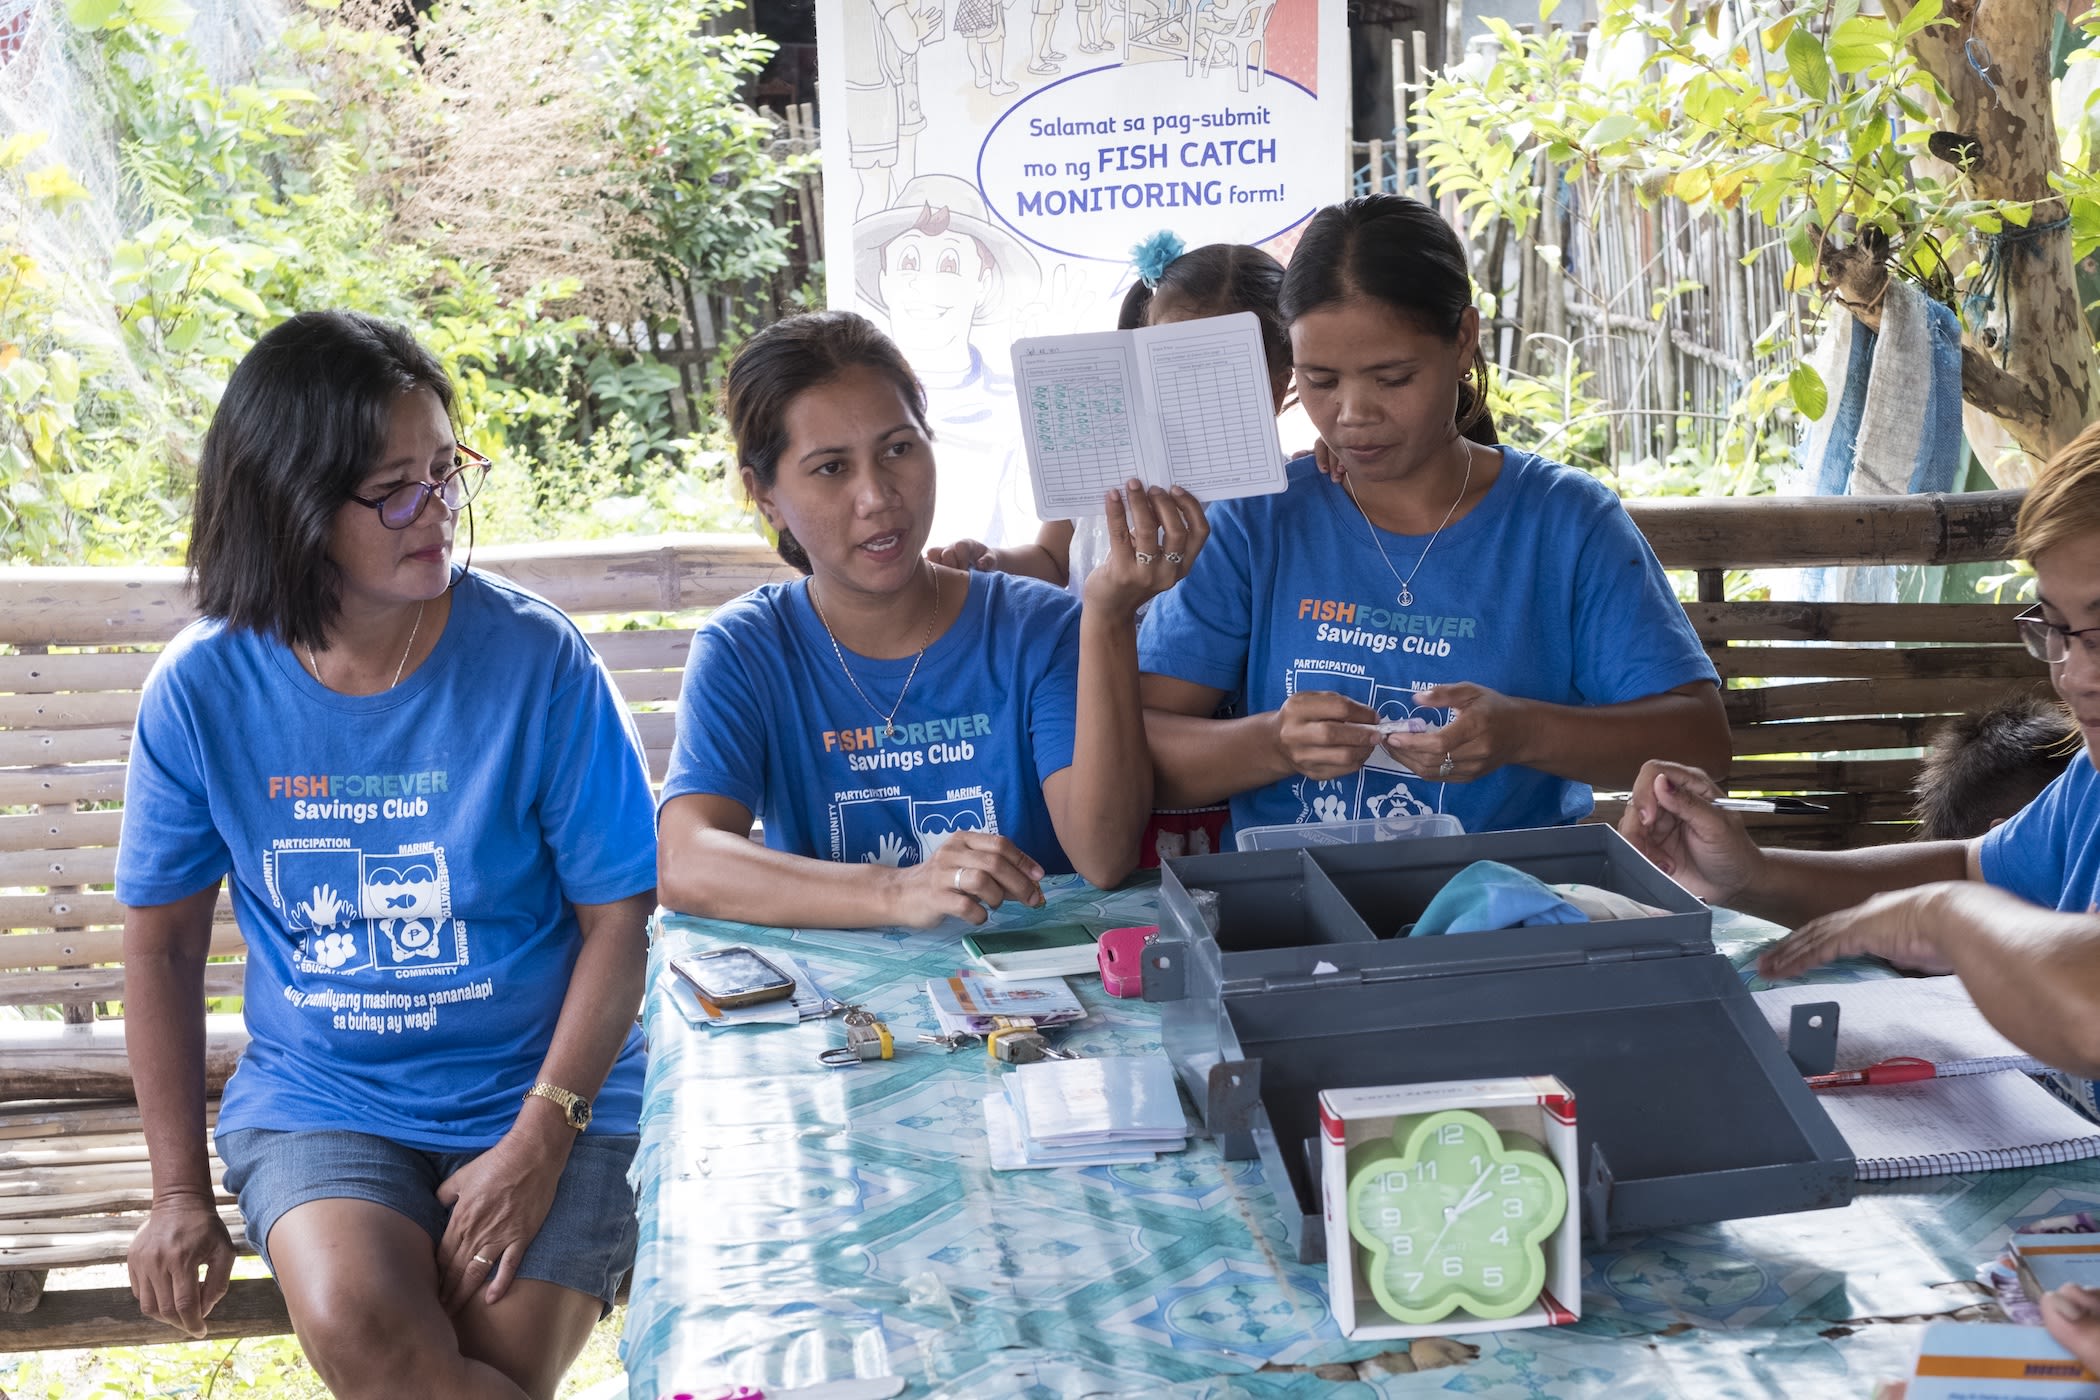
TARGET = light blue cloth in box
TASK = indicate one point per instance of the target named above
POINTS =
(1489, 895)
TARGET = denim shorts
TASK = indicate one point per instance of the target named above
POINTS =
(587, 1242)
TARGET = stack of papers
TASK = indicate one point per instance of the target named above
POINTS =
(1086, 1113)
(977, 1005)
(809, 1002)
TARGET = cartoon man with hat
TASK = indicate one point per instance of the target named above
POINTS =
(932, 268)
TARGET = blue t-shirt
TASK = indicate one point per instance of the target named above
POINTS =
(767, 718)
(404, 864)
(1545, 590)
(2049, 854)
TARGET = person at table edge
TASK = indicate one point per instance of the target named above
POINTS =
(2015, 913)
(921, 742)
(1505, 601)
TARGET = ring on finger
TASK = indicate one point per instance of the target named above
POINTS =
(1144, 558)
(483, 1260)
(958, 880)
(1443, 770)
(1172, 556)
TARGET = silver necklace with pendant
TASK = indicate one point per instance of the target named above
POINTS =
(889, 721)
(1407, 596)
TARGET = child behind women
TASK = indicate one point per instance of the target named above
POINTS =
(1217, 279)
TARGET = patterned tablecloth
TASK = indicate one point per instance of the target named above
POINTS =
(801, 1224)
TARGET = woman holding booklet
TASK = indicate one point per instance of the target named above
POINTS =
(1438, 626)
(921, 741)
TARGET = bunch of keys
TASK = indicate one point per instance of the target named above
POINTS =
(866, 1039)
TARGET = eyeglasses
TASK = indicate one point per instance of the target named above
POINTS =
(403, 506)
(2045, 641)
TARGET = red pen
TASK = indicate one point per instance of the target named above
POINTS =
(1905, 1069)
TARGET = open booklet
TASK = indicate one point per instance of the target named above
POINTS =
(1183, 404)
(1981, 1112)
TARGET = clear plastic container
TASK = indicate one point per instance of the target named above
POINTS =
(1294, 834)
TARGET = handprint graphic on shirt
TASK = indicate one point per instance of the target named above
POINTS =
(326, 909)
(889, 850)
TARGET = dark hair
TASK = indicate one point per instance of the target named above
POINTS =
(1982, 768)
(786, 359)
(304, 417)
(1219, 279)
(1399, 252)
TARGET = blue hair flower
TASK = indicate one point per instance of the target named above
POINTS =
(1153, 255)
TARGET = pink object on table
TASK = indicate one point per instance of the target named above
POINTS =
(1122, 959)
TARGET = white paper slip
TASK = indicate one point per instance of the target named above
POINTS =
(1977, 1122)
(1184, 404)
(1011, 1151)
(1066, 1102)
(1933, 1018)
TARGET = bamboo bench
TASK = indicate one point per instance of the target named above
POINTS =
(1816, 697)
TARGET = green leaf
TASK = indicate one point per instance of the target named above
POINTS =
(1923, 13)
(1860, 43)
(1546, 9)
(92, 14)
(17, 148)
(54, 184)
(1801, 245)
(1804, 59)
(2019, 215)
(170, 17)
(1611, 129)
(1809, 394)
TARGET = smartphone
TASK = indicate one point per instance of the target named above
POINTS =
(733, 977)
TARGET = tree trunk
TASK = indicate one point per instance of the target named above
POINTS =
(2045, 394)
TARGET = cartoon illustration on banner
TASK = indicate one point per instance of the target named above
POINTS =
(994, 171)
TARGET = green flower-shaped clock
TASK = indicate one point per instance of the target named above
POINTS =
(1453, 1214)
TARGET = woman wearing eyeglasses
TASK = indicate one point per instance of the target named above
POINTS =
(2012, 911)
(437, 825)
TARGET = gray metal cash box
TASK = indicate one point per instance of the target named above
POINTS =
(1687, 1107)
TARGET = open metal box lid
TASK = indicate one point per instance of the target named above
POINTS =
(1688, 1108)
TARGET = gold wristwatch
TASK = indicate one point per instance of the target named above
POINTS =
(576, 1107)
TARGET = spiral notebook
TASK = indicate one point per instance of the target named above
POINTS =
(1971, 1123)
(1982, 1112)
(1933, 1018)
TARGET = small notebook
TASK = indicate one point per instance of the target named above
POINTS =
(1094, 1101)
(1933, 1018)
(1976, 1122)
(2060, 1259)
(1996, 1361)
(1184, 404)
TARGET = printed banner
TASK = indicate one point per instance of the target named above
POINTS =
(988, 167)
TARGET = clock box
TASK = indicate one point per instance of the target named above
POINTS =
(1280, 976)
(1415, 1203)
